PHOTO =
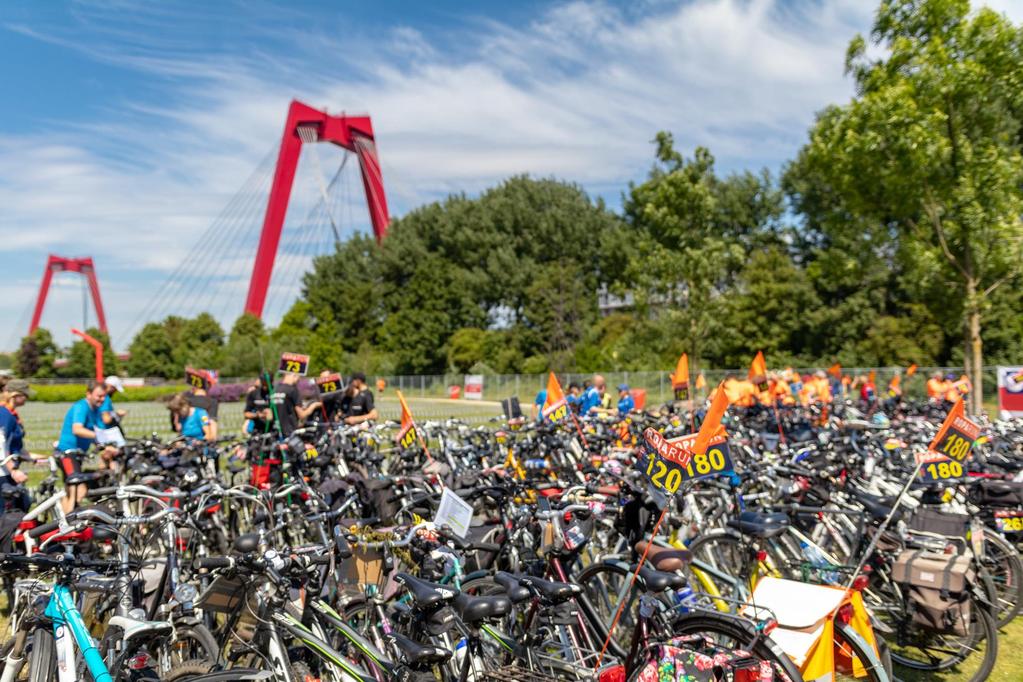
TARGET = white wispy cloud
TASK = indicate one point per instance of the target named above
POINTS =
(577, 93)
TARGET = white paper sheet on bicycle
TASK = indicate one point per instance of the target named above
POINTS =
(111, 436)
(801, 609)
(454, 512)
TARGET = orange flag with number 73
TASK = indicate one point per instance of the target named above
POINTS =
(711, 422)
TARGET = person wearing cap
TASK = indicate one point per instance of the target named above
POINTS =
(358, 406)
(12, 432)
(626, 403)
(111, 417)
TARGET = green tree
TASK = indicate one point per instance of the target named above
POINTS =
(927, 155)
(151, 353)
(246, 349)
(466, 348)
(684, 259)
(36, 354)
(767, 311)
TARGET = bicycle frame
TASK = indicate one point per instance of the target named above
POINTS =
(61, 610)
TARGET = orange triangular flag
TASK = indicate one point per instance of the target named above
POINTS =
(555, 407)
(701, 383)
(407, 434)
(711, 422)
(835, 370)
(680, 379)
(871, 377)
(895, 382)
(758, 368)
(911, 371)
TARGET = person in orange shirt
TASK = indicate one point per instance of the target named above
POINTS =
(936, 387)
(780, 392)
(823, 386)
(747, 393)
(732, 389)
(808, 393)
(954, 390)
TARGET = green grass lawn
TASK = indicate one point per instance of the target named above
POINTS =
(43, 420)
(1009, 667)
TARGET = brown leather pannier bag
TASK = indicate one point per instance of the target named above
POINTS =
(938, 589)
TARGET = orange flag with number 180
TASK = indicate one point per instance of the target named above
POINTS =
(555, 407)
(711, 422)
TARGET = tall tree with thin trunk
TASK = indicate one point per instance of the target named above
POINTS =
(928, 152)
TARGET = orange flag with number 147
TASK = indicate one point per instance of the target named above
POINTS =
(407, 435)
(555, 407)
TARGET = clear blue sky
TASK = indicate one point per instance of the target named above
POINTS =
(126, 126)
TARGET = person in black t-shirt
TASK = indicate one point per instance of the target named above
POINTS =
(358, 405)
(290, 410)
(257, 407)
(332, 409)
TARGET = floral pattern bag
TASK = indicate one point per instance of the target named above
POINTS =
(690, 658)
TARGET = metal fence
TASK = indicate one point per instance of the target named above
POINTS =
(656, 384)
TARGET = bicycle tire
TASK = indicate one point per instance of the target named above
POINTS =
(859, 648)
(742, 632)
(203, 640)
(43, 660)
(989, 635)
(1008, 578)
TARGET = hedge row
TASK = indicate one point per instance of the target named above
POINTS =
(66, 393)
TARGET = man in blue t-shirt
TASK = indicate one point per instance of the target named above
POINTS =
(538, 403)
(79, 433)
(590, 399)
(626, 403)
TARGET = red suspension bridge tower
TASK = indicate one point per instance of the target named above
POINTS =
(82, 266)
(305, 124)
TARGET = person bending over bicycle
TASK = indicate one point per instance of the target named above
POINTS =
(195, 421)
(76, 436)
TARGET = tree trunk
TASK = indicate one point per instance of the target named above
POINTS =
(974, 349)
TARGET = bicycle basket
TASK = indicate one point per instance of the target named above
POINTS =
(938, 522)
(937, 588)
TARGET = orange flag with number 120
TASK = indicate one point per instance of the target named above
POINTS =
(555, 407)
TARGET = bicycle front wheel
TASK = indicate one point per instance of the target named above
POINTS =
(733, 632)
(850, 646)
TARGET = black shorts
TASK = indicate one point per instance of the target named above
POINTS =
(69, 464)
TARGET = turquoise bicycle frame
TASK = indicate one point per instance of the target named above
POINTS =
(62, 611)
